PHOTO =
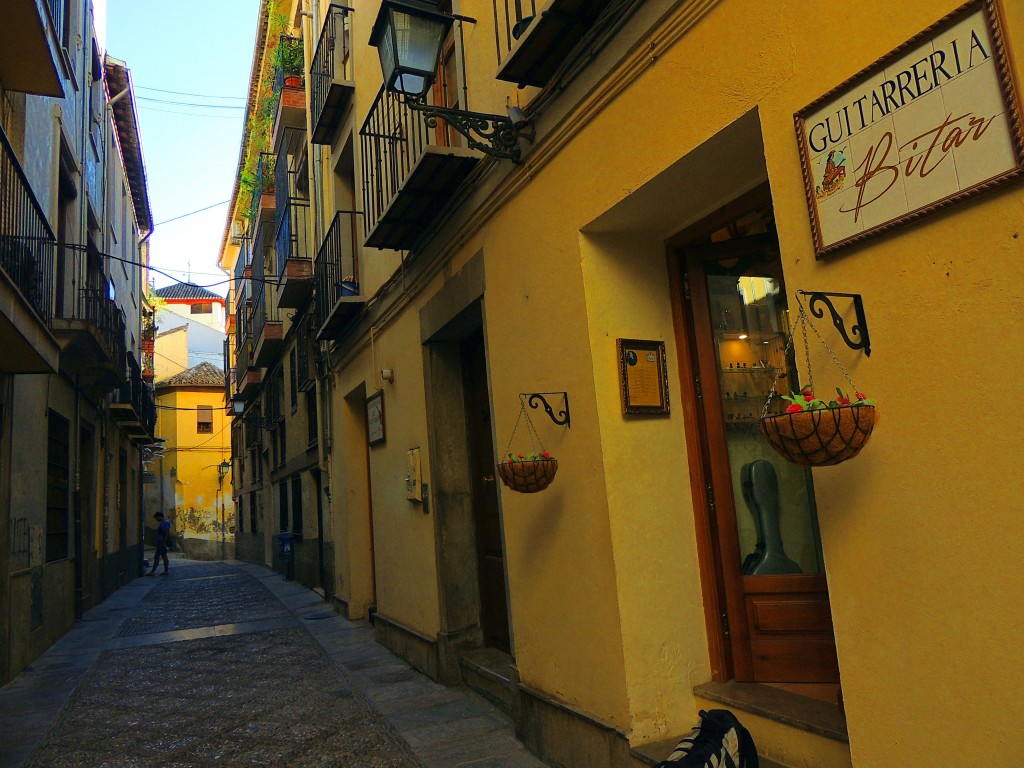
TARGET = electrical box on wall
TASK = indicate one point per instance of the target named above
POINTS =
(413, 479)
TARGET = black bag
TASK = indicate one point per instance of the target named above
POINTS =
(717, 741)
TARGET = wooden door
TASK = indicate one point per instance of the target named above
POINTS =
(490, 554)
(776, 622)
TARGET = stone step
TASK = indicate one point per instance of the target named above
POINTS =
(488, 671)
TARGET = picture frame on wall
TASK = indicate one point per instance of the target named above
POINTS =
(643, 377)
(932, 122)
(375, 424)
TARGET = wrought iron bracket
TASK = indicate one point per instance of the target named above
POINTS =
(857, 337)
(494, 135)
(536, 399)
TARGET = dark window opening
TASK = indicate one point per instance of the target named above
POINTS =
(296, 505)
(282, 491)
(203, 308)
(204, 419)
(58, 463)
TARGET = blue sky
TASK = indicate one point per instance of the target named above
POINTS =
(201, 49)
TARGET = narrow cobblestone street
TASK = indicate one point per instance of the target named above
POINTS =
(227, 664)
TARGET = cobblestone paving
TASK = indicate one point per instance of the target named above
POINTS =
(264, 698)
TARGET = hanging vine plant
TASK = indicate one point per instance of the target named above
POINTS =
(812, 431)
(527, 472)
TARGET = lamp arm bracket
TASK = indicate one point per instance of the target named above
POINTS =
(536, 399)
(494, 135)
(857, 337)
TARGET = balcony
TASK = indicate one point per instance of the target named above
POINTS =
(133, 408)
(339, 296)
(32, 33)
(267, 328)
(330, 85)
(409, 171)
(289, 87)
(291, 244)
(27, 252)
(247, 377)
(91, 333)
(261, 208)
(533, 42)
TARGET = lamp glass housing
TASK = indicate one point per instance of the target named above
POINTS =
(408, 35)
(237, 406)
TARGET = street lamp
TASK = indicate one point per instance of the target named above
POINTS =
(222, 471)
(408, 36)
(238, 409)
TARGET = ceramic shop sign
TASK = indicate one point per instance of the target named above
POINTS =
(927, 125)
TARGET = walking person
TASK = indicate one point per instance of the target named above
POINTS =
(163, 535)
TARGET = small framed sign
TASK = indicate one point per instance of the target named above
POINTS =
(643, 376)
(375, 418)
(929, 124)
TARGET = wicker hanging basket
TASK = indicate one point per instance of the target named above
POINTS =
(528, 476)
(822, 437)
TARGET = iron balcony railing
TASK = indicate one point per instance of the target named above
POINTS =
(243, 358)
(288, 60)
(292, 211)
(263, 183)
(241, 315)
(511, 17)
(27, 244)
(332, 60)
(337, 265)
(136, 393)
(393, 139)
(95, 307)
(57, 17)
(228, 371)
(264, 303)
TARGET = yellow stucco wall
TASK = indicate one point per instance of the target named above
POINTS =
(194, 488)
(602, 567)
(170, 353)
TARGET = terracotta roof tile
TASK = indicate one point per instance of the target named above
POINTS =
(202, 375)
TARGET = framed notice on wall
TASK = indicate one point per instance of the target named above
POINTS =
(375, 418)
(643, 376)
(931, 123)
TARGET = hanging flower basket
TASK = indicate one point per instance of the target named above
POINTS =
(821, 437)
(528, 475)
(813, 432)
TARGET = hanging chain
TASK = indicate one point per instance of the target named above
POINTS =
(803, 320)
(835, 358)
(531, 430)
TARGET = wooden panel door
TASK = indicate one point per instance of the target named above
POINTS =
(776, 620)
(490, 553)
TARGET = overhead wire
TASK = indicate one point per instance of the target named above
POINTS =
(191, 213)
(191, 103)
(186, 93)
(188, 114)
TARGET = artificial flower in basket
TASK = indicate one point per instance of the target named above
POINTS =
(528, 473)
(816, 433)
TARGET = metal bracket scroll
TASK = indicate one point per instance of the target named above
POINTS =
(858, 337)
(562, 418)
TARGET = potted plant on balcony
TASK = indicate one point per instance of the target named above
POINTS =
(288, 60)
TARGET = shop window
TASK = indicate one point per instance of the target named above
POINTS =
(204, 419)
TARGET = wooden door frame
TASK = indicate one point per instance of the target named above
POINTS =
(723, 596)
